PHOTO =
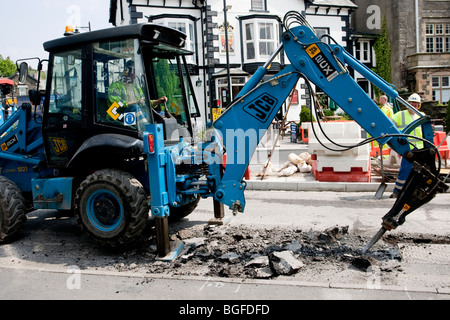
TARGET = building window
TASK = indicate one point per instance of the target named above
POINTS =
(237, 84)
(266, 38)
(260, 40)
(437, 37)
(439, 44)
(322, 31)
(186, 26)
(258, 5)
(362, 51)
(441, 88)
(250, 41)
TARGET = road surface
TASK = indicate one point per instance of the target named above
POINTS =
(53, 260)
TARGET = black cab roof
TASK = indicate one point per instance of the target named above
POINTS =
(148, 32)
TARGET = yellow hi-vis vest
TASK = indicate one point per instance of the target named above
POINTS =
(402, 119)
(387, 110)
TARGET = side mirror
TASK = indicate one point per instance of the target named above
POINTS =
(35, 97)
(23, 72)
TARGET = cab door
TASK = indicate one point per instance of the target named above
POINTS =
(63, 107)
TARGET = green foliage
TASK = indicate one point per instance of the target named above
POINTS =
(328, 112)
(167, 83)
(382, 49)
(7, 67)
(305, 115)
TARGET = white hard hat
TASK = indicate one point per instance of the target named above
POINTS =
(414, 98)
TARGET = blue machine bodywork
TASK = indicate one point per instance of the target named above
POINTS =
(22, 148)
(178, 174)
(22, 159)
(55, 193)
(238, 131)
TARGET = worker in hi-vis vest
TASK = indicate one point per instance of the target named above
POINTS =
(131, 96)
(402, 119)
(389, 112)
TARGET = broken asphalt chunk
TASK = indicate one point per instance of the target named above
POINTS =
(230, 257)
(284, 263)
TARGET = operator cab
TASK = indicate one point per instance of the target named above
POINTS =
(107, 82)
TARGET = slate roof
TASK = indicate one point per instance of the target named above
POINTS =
(334, 3)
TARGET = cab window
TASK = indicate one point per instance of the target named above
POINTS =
(66, 86)
(121, 96)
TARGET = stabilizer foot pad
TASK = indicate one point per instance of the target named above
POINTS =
(219, 221)
(176, 248)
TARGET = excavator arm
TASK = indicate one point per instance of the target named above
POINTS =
(238, 131)
(327, 67)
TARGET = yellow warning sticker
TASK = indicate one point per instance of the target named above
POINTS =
(175, 109)
(313, 50)
(113, 111)
(406, 207)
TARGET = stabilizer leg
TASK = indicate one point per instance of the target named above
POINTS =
(162, 236)
(219, 215)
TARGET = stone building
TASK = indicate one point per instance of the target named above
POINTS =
(419, 34)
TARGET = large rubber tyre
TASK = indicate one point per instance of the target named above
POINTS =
(178, 213)
(112, 207)
(13, 211)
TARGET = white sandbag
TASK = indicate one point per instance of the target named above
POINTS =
(289, 171)
(295, 159)
(304, 168)
(285, 165)
(306, 157)
(269, 170)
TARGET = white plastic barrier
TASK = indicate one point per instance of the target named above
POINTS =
(354, 161)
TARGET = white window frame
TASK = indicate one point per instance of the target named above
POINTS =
(448, 82)
(257, 40)
(258, 5)
(186, 26)
(365, 51)
(441, 90)
(320, 31)
(437, 38)
(438, 82)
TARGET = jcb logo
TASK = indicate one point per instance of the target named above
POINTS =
(59, 145)
(261, 107)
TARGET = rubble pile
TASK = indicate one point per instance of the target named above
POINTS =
(240, 252)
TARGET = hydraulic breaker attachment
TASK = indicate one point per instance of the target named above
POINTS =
(421, 186)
